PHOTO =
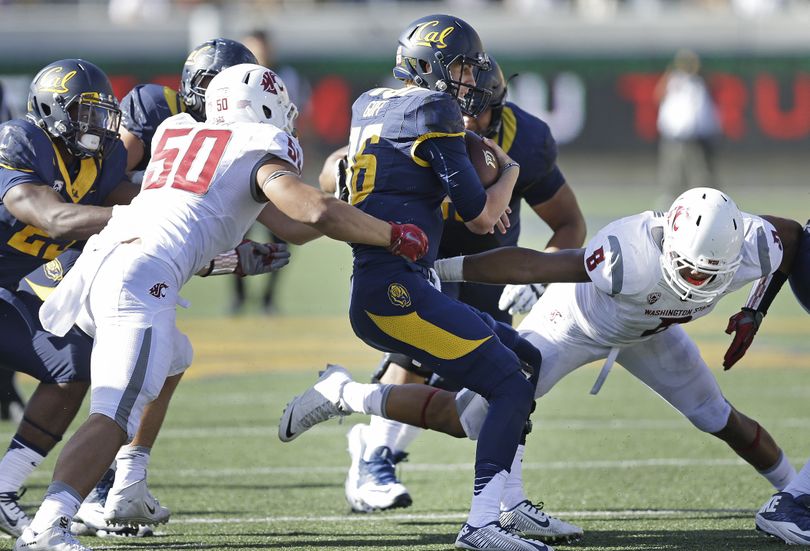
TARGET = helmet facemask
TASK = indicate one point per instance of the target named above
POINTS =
(702, 247)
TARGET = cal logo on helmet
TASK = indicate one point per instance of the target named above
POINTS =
(427, 34)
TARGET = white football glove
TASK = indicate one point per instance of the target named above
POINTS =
(519, 299)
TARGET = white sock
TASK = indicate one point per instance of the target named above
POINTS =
(131, 463)
(380, 432)
(407, 434)
(513, 489)
(781, 474)
(800, 485)
(485, 506)
(19, 462)
(365, 397)
(60, 501)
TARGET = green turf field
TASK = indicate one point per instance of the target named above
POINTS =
(623, 465)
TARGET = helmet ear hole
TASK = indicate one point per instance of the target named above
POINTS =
(267, 112)
(425, 67)
(46, 109)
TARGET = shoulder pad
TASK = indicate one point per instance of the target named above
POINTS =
(762, 249)
(147, 105)
(24, 146)
(622, 257)
(439, 112)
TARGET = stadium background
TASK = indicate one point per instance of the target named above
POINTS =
(632, 472)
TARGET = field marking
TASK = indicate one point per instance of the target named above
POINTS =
(608, 464)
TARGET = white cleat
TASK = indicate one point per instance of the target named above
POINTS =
(320, 402)
(13, 519)
(494, 537)
(56, 538)
(529, 520)
(372, 485)
(89, 521)
(134, 505)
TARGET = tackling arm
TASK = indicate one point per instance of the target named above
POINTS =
(281, 184)
(42, 207)
(516, 265)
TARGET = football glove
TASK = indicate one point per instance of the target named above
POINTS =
(250, 258)
(745, 324)
(408, 241)
(519, 299)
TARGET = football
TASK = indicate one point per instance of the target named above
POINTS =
(482, 158)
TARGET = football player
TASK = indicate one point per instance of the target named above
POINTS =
(375, 449)
(406, 154)
(143, 109)
(125, 286)
(11, 402)
(630, 290)
(786, 515)
(59, 169)
(66, 111)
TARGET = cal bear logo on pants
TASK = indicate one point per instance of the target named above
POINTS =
(398, 295)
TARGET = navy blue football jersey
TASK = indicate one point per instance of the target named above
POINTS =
(527, 140)
(407, 153)
(142, 111)
(28, 156)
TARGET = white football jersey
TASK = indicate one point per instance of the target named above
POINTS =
(629, 299)
(198, 196)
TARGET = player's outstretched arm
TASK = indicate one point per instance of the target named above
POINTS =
(745, 323)
(515, 265)
(42, 207)
(281, 184)
(285, 227)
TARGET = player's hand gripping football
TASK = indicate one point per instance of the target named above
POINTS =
(505, 163)
(260, 258)
(519, 299)
(745, 324)
(408, 241)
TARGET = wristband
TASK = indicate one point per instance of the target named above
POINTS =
(450, 269)
(507, 166)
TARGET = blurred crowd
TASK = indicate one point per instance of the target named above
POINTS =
(586, 8)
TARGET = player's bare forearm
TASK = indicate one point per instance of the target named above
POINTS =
(285, 227)
(330, 216)
(790, 233)
(520, 265)
(40, 206)
(498, 196)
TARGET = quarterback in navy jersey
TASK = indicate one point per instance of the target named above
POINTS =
(406, 154)
(59, 169)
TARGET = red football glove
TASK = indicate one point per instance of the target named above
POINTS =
(745, 324)
(408, 241)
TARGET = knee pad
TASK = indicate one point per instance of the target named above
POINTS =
(710, 416)
(182, 355)
(405, 362)
(472, 410)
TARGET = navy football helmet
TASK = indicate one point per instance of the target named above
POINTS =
(203, 63)
(427, 49)
(73, 100)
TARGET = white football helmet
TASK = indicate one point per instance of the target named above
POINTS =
(250, 93)
(704, 233)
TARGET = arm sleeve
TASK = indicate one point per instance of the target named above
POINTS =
(449, 161)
